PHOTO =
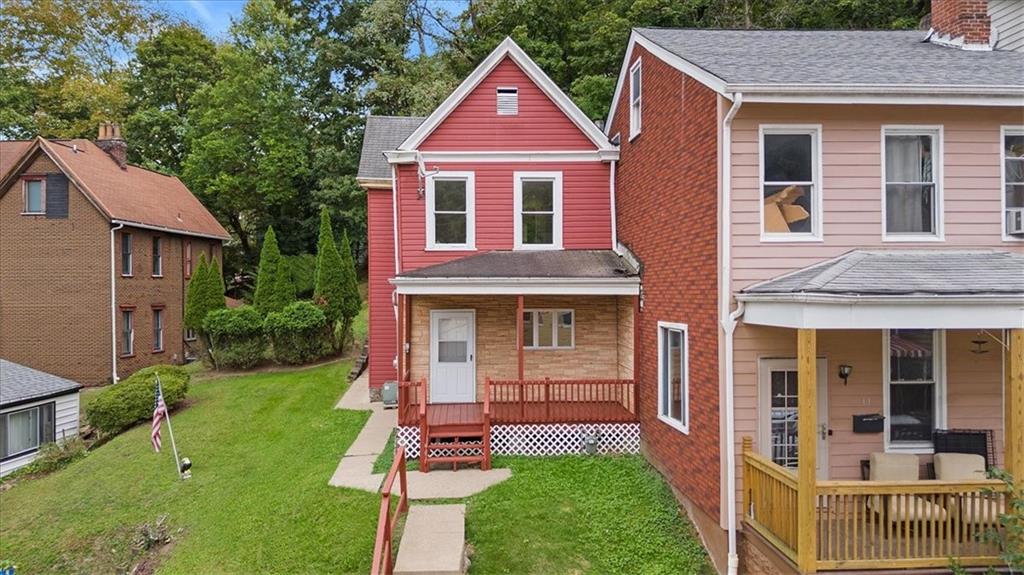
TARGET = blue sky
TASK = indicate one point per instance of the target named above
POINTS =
(212, 16)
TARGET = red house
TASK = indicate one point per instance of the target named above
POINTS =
(496, 295)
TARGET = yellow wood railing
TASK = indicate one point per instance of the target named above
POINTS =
(907, 524)
(769, 500)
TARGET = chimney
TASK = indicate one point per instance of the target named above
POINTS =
(111, 142)
(962, 24)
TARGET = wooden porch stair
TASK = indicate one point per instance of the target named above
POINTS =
(447, 429)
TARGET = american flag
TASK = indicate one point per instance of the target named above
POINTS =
(159, 413)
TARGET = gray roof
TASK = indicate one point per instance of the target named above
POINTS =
(906, 272)
(836, 57)
(596, 264)
(383, 134)
(19, 384)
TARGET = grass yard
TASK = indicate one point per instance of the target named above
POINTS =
(263, 447)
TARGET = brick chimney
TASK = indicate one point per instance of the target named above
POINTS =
(111, 142)
(961, 23)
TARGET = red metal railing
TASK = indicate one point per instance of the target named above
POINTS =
(561, 401)
(384, 545)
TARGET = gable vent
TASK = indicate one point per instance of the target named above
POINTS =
(508, 101)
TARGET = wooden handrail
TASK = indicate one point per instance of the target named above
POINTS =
(561, 401)
(383, 546)
(769, 500)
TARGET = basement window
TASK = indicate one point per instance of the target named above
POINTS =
(508, 101)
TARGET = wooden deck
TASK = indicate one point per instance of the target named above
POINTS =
(439, 414)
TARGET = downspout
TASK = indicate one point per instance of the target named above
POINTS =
(611, 186)
(728, 321)
(113, 306)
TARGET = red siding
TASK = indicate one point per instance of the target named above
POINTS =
(475, 124)
(383, 338)
(667, 214)
(586, 204)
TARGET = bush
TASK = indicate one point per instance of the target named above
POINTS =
(123, 404)
(54, 456)
(298, 333)
(236, 335)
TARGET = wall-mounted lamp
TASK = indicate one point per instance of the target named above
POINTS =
(844, 373)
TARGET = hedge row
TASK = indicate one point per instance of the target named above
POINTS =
(296, 334)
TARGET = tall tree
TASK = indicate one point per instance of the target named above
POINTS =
(274, 289)
(195, 305)
(352, 300)
(329, 278)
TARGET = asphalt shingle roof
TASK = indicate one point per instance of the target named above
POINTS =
(906, 272)
(383, 134)
(596, 264)
(836, 57)
(19, 383)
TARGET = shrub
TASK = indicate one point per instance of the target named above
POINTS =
(236, 336)
(54, 456)
(298, 333)
(274, 289)
(123, 404)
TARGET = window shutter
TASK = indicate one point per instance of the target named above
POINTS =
(56, 196)
(46, 420)
(508, 101)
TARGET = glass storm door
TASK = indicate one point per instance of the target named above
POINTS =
(779, 413)
(452, 352)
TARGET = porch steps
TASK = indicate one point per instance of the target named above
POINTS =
(443, 442)
(433, 541)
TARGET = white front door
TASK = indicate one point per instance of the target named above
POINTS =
(779, 413)
(452, 353)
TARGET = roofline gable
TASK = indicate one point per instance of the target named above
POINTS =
(508, 48)
(40, 144)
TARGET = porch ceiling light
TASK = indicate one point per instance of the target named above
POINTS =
(844, 372)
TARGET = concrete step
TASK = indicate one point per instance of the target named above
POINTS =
(433, 541)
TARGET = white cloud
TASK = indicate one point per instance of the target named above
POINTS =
(199, 7)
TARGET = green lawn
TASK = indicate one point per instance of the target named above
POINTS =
(264, 446)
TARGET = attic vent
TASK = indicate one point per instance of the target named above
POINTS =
(508, 101)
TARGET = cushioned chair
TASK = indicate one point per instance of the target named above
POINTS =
(901, 508)
(982, 508)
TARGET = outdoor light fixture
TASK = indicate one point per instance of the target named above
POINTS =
(844, 372)
(186, 466)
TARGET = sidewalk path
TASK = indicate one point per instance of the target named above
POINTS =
(355, 470)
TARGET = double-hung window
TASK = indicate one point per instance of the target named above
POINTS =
(915, 395)
(1013, 183)
(127, 332)
(450, 211)
(35, 195)
(23, 431)
(158, 257)
(790, 183)
(158, 329)
(635, 93)
(549, 329)
(126, 254)
(673, 375)
(912, 188)
(538, 210)
(188, 259)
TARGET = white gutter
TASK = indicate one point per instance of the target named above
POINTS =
(394, 214)
(728, 321)
(611, 186)
(169, 230)
(113, 306)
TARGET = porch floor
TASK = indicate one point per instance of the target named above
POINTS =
(441, 414)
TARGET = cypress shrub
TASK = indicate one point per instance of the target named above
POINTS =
(274, 289)
(236, 336)
(121, 405)
(298, 333)
(194, 307)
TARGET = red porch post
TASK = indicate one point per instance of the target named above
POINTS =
(519, 333)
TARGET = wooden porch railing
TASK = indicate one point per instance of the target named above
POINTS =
(875, 524)
(384, 544)
(769, 501)
(561, 401)
(411, 397)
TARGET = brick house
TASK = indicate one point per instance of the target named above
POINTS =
(95, 255)
(495, 294)
(829, 222)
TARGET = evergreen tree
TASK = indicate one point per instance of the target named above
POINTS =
(213, 288)
(329, 282)
(274, 288)
(352, 302)
(194, 311)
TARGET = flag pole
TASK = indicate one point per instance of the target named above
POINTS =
(170, 431)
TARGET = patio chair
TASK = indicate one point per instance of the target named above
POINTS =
(901, 509)
(977, 509)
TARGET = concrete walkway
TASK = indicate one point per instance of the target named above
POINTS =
(433, 541)
(355, 470)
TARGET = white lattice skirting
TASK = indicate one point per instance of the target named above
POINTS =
(543, 439)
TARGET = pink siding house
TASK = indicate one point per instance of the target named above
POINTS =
(495, 294)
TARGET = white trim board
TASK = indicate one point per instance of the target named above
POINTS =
(508, 48)
(525, 156)
(516, 286)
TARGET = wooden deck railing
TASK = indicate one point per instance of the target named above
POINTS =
(769, 501)
(561, 401)
(411, 395)
(907, 524)
(384, 544)
(875, 524)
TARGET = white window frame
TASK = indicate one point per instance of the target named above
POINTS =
(636, 74)
(938, 159)
(40, 430)
(682, 426)
(128, 332)
(557, 215)
(941, 399)
(158, 334)
(554, 329)
(817, 204)
(158, 256)
(130, 271)
(1003, 132)
(470, 179)
(42, 196)
(190, 334)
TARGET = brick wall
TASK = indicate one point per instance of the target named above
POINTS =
(667, 215)
(967, 18)
(597, 335)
